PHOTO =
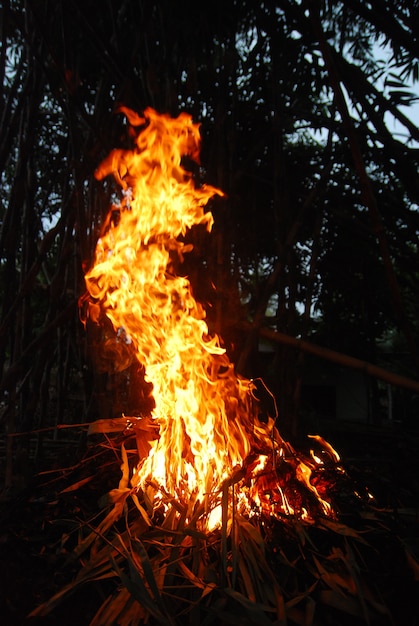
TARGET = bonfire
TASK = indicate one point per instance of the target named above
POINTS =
(210, 493)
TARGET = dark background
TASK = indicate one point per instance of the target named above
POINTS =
(311, 271)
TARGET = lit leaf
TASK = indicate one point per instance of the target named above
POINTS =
(77, 485)
(114, 425)
(141, 509)
(113, 496)
(124, 480)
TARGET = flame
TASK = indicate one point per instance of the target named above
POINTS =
(209, 432)
(202, 408)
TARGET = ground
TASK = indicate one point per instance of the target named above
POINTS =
(39, 525)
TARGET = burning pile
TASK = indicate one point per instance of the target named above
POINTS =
(205, 432)
(216, 518)
(206, 524)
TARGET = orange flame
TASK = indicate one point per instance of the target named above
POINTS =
(202, 408)
(207, 419)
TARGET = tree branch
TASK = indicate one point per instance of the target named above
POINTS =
(366, 187)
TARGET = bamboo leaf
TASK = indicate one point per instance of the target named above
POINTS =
(124, 480)
(141, 509)
(148, 572)
(77, 485)
(235, 554)
(198, 582)
(113, 496)
(196, 534)
(45, 608)
(301, 597)
(224, 531)
(297, 616)
(333, 579)
(136, 587)
(250, 591)
(112, 610)
(341, 602)
(251, 554)
(105, 615)
(256, 612)
(48, 606)
(341, 529)
(302, 533)
(310, 611)
(353, 569)
(114, 425)
(280, 607)
(253, 533)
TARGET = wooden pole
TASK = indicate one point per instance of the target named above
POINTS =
(338, 357)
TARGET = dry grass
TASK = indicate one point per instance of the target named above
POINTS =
(146, 566)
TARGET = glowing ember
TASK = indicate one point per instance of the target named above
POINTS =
(209, 432)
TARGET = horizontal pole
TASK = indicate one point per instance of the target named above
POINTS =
(337, 357)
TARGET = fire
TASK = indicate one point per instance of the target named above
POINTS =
(209, 431)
